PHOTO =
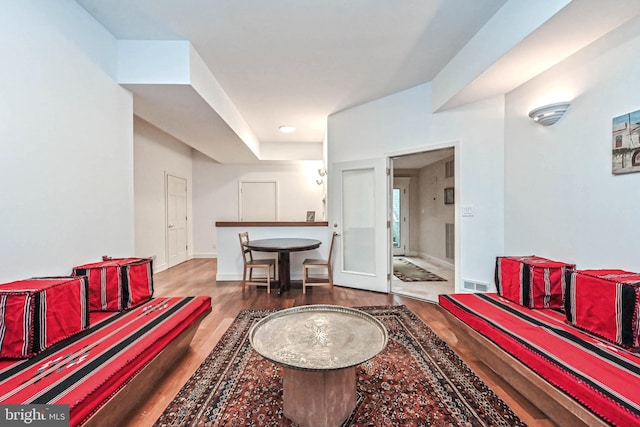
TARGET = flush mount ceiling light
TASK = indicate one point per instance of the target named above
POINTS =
(287, 129)
(549, 114)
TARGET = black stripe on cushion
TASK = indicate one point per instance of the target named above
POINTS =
(548, 357)
(628, 307)
(103, 358)
(55, 348)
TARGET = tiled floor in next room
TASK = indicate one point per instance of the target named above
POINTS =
(428, 291)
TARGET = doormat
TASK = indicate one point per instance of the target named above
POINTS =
(417, 380)
(409, 272)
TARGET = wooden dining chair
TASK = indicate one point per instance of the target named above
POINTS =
(250, 264)
(313, 264)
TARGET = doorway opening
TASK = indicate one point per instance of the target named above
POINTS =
(423, 224)
(400, 215)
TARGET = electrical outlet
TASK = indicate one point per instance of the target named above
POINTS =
(467, 210)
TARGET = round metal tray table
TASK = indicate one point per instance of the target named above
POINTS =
(318, 347)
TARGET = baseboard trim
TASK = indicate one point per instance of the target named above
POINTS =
(236, 277)
(205, 255)
(444, 263)
(159, 268)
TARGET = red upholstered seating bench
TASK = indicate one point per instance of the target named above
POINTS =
(573, 377)
(105, 370)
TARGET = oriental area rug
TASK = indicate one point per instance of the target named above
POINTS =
(417, 380)
(407, 271)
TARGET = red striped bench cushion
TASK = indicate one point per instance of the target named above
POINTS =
(85, 370)
(532, 281)
(117, 284)
(605, 303)
(37, 313)
(602, 377)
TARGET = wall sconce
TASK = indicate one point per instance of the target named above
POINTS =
(549, 114)
(322, 172)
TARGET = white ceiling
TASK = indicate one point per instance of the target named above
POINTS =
(420, 160)
(296, 62)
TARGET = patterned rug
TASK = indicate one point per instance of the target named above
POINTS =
(407, 271)
(416, 381)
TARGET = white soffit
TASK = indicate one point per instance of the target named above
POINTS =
(176, 92)
(180, 111)
(291, 151)
(153, 62)
(522, 40)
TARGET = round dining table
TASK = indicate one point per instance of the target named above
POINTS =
(283, 246)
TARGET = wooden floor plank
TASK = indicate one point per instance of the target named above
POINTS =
(197, 277)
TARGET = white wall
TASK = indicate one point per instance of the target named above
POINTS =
(157, 154)
(403, 123)
(66, 141)
(433, 213)
(561, 199)
(215, 194)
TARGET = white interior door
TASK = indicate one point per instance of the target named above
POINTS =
(358, 212)
(176, 220)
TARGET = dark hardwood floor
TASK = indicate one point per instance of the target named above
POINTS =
(197, 277)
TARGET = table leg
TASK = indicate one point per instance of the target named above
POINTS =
(284, 272)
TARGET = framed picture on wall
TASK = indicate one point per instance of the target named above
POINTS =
(311, 216)
(448, 196)
(626, 143)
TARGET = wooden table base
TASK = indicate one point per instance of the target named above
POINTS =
(319, 398)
